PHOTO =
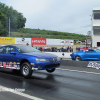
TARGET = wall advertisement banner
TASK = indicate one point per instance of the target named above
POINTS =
(38, 41)
(89, 42)
(66, 42)
(22, 41)
(7, 40)
(78, 42)
(53, 41)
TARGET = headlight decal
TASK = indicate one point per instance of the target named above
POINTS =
(32, 64)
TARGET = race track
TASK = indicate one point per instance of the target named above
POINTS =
(66, 83)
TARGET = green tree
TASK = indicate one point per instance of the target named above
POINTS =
(1, 29)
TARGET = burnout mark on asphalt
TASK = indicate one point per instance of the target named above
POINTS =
(78, 71)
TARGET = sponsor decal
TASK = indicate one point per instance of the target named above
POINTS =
(18, 67)
(18, 62)
(94, 65)
(38, 41)
(32, 64)
(15, 64)
(4, 64)
(22, 40)
(11, 65)
(66, 42)
(34, 68)
(7, 64)
(0, 63)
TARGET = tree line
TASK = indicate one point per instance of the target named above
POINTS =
(17, 20)
(38, 33)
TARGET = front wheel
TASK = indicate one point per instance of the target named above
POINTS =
(50, 70)
(78, 58)
(26, 70)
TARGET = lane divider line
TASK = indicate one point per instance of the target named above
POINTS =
(19, 93)
(78, 71)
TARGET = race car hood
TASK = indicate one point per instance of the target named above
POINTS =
(41, 55)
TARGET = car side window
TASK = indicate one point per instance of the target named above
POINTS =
(8, 50)
(1, 50)
(90, 51)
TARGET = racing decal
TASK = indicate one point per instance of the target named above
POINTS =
(4, 64)
(18, 62)
(38, 41)
(15, 65)
(0, 63)
(34, 68)
(94, 65)
(11, 65)
(18, 67)
(32, 64)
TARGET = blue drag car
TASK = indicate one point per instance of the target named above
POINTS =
(26, 59)
(86, 55)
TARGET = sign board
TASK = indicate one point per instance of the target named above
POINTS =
(66, 42)
(7, 40)
(38, 41)
(22, 40)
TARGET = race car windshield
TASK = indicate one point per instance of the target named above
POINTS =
(26, 49)
(98, 50)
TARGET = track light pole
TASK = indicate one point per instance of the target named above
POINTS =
(9, 27)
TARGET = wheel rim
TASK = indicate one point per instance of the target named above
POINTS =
(25, 70)
(77, 58)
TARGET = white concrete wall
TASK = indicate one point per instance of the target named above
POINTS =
(95, 24)
(96, 21)
(59, 54)
(95, 40)
(53, 41)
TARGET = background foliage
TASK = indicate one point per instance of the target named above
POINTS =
(37, 33)
(17, 20)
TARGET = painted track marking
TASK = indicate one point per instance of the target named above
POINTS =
(78, 71)
(20, 93)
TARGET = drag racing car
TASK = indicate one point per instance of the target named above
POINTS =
(26, 59)
(86, 55)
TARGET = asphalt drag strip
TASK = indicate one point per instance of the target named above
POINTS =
(66, 83)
